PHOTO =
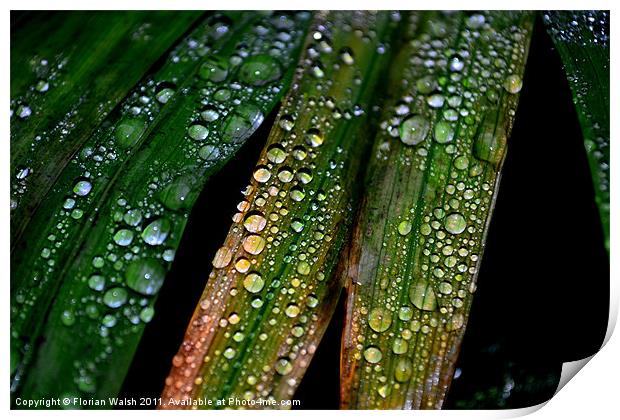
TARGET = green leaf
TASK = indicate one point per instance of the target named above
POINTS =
(68, 71)
(582, 39)
(431, 185)
(96, 255)
(273, 291)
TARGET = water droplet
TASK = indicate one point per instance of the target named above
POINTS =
(42, 86)
(399, 346)
(373, 355)
(128, 132)
(164, 93)
(435, 101)
(414, 130)
(96, 282)
(198, 132)
(68, 318)
(133, 217)
(513, 83)
(262, 174)
(123, 237)
(242, 265)
(156, 232)
(22, 172)
(82, 188)
(23, 111)
(380, 319)
(222, 258)
(426, 84)
(292, 310)
(284, 366)
(229, 353)
(214, 69)
(346, 55)
(209, 152)
(145, 276)
(146, 314)
(276, 154)
(405, 313)
(287, 123)
(403, 369)
(241, 123)
(456, 63)
(209, 114)
(443, 132)
(455, 223)
(303, 268)
(115, 298)
(314, 137)
(253, 282)
(255, 222)
(260, 69)
(422, 296)
(253, 244)
(490, 143)
(404, 227)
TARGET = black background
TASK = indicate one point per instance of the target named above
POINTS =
(543, 288)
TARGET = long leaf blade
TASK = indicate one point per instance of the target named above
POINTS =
(582, 39)
(272, 291)
(133, 212)
(430, 190)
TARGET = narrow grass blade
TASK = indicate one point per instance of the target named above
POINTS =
(87, 285)
(430, 189)
(272, 291)
(582, 39)
(68, 71)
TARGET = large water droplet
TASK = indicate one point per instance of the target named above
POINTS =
(403, 369)
(455, 223)
(373, 355)
(513, 83)
(260, 69)
(414, 130)
(123, 237)
(145, 276)
(241, 123)
(222, 258)
(214, 69)
(198, 132)
(443, 132)
(82, 188)
(253, 244)
(253, 282)
(128, 132)
(255, 222)
(156, 232)
(115, 298)
(380, 319)
(284, 366)
(422, 296)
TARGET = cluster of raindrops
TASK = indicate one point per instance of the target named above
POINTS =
(446, 129)
(282, 232)
(126, 265)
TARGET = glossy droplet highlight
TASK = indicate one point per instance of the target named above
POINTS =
(156, 232)
(253, 283)
(455, 223)
(222, 258)
(380, 319)
(414, 130)
(373, 355)
(145, 276)
(422, 296)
